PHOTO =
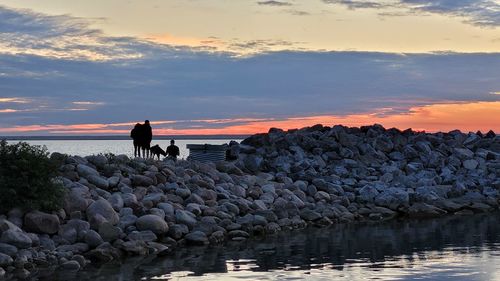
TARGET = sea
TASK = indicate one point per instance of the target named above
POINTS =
(85, 147)
(455, 248)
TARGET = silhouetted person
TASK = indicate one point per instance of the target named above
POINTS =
(135, 134)
(173, 150)
(147, 137)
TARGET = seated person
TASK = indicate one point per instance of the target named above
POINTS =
(173, 150)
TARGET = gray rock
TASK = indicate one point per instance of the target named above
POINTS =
(8, 225)
(197, 238)
(76, 248)
(470, 164)
(422, 210)
(5, 260)
(109, 232)
(185, 217)
(309, 215)
(86, 171)
(139, 180)
(177, 231)
(16, 238)
(98, 181)
(146, 236)
(116, 201)
(152, 222)
(76, 199)
(40, 222)
(71, 265)
(393, 198)
(93, 239)
(135, 247)
(8, 249)
(368, 193)
(101, 209)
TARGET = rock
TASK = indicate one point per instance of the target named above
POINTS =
(8, 249)
(368, 193)
(16, 238)
(423, 210)
(393, 198)
(98, 181)
(101, 209)
(40, 222)
(470, 164)
(185, 217)
(116, 201)
(76, 199)
(309, 215)
(5, 260)
(135, 247)
(71, 265)
(321, 195)
(139, 180)
(109, 232)
(152, 222)
(177, 231)
(86, 171)
(253, 162)
(197, 238)
(93, 239)
(7, 225)
(146, 236)
(76, 248)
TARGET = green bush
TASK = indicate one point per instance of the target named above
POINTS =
(27, 178)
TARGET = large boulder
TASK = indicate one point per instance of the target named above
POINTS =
(197, 238)
(16, 238)
(153, 223)
(186, 218)
(40, 222)
(99, 210)
(139, 180)
(393, 198)
(100, 182)
(368, 193)
(86, 171)
(76, 199)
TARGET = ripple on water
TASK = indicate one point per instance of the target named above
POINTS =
(451, 248)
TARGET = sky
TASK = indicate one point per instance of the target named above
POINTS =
(89, 67)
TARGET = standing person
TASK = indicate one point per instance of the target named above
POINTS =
(135, 134)
(173, 150)
(147, 137)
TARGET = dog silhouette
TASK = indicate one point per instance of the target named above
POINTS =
(157, 151)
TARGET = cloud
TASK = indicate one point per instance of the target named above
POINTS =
(476, 12)
(358, 4)
(87, 103)
(175, 84)
(13, 100)
(274, 3)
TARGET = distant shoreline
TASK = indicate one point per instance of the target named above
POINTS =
(164, 137)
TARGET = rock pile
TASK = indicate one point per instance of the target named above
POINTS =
(282, 180)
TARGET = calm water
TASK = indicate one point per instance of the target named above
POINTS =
(451, 248)
(90, 147)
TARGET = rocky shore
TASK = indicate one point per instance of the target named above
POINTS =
(116, 207)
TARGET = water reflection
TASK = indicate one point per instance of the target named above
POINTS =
(458, 248)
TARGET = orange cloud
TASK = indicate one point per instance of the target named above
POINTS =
(473, 116)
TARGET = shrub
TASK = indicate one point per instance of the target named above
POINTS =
(27, 178)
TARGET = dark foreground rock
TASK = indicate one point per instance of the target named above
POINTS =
(117, 207)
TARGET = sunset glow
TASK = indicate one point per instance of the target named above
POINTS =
(483, 116)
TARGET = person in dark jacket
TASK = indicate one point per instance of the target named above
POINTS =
(173, 150)
(147, 137)
(135, 134)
